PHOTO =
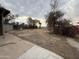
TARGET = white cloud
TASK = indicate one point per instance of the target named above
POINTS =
(69, 8)
(35, 8)
(38, 8)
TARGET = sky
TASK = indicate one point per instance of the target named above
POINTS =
(39, 8)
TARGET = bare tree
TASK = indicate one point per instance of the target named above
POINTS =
(54, 5)
(54, 15)
(30, 22)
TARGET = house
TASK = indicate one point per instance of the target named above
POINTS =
(3, 13)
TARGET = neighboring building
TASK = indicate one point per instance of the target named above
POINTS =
(43, 22)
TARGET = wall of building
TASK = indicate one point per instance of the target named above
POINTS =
(7, 27)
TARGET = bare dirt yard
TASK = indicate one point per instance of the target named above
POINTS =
(65, 47)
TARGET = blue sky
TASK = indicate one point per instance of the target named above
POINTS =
(39, 8)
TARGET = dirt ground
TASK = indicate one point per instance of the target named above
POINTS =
(54, 43)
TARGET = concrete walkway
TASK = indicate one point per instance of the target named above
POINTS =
(73, 43)
(12, 47)
(37, 52)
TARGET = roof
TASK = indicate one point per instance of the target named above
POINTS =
(4, 11)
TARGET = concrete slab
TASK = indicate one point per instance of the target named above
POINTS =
(39, 53)
(11, 47)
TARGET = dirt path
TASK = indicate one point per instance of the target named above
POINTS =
(53, 43)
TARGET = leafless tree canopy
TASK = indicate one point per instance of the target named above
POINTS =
(53, 15)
